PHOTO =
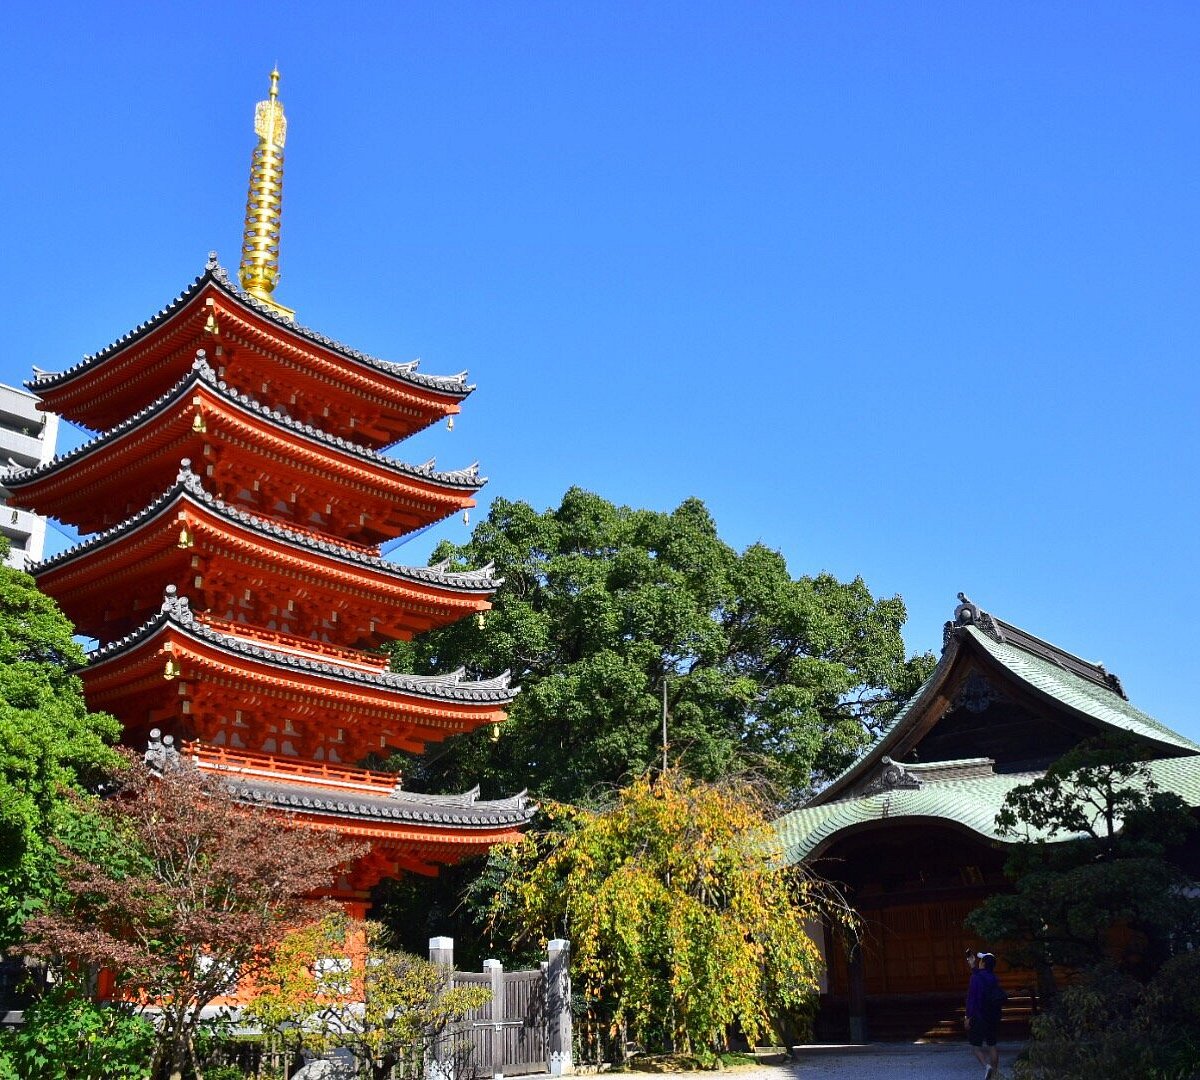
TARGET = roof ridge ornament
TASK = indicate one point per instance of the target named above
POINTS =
(201, 365)
(968, 613)
(187, 478)
(175, 606)
(892, 777)
(259, 270)
(161, 753)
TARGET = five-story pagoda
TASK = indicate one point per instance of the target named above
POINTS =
(236, 495)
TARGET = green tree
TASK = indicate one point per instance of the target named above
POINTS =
(600, 604)
(683, 920)
(1111, 894)
(50, 743)
(1110, 1024)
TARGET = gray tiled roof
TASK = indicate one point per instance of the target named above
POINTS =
(401, 805)
(188, 484)
(465, 810)
(467, 478)
(177, 611)
(214, 273)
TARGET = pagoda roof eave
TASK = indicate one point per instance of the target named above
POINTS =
(202, 374)
(214, 274)
(188, 488)
(244, 776)
(402, 806)
(176, 615)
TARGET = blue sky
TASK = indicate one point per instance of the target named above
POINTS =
(904, 290)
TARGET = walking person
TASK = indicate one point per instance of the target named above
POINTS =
(985, 1002)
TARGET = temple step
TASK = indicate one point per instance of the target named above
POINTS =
(920, 1018)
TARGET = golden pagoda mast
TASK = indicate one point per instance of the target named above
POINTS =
(259, 270)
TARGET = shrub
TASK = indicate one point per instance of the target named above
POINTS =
(1110, 1025)
(68, 1037)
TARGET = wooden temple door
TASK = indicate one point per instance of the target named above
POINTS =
(917, 948)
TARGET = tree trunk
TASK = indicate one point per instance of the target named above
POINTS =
(197, 1072)
(1047, 987)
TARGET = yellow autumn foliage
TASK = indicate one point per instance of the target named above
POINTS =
(682, 918)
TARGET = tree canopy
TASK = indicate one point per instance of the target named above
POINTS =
(1113, 905)
(49, 743)
(601, 603)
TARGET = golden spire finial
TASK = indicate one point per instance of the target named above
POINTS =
(259, 271)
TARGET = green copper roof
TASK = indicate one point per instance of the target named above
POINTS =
(1065, 686)
(1180, 775)
(971, 803)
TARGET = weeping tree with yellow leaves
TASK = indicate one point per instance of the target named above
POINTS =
(684, 923)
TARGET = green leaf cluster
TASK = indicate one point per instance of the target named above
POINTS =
(67, 1036)
(602, 603)
(50, 743)
(682, 919)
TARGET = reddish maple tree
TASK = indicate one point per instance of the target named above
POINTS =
(180, 892)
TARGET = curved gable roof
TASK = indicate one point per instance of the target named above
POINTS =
(1082, 688)
(968, 794)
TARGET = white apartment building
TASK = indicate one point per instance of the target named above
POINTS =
(27, 438)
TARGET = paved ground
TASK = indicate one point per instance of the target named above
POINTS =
(891, 1062)
(877, 1062)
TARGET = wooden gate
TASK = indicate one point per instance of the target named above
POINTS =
(526, 1026)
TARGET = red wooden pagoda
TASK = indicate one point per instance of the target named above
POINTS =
(237, 493)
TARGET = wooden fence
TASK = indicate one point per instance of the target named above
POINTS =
(524, 1029)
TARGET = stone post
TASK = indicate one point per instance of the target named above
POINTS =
(441, 952)
(439, 1061)
(559, 1052)
(496, 969)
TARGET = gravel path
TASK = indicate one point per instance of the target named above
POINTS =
(874, 1062)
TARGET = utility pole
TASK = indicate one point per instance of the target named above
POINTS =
(664, 725)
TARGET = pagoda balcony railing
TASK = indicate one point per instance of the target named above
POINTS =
(212, 758)
(300, 646)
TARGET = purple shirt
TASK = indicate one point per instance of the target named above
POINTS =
(982, 981)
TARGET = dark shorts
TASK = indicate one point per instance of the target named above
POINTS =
(983, 1031)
